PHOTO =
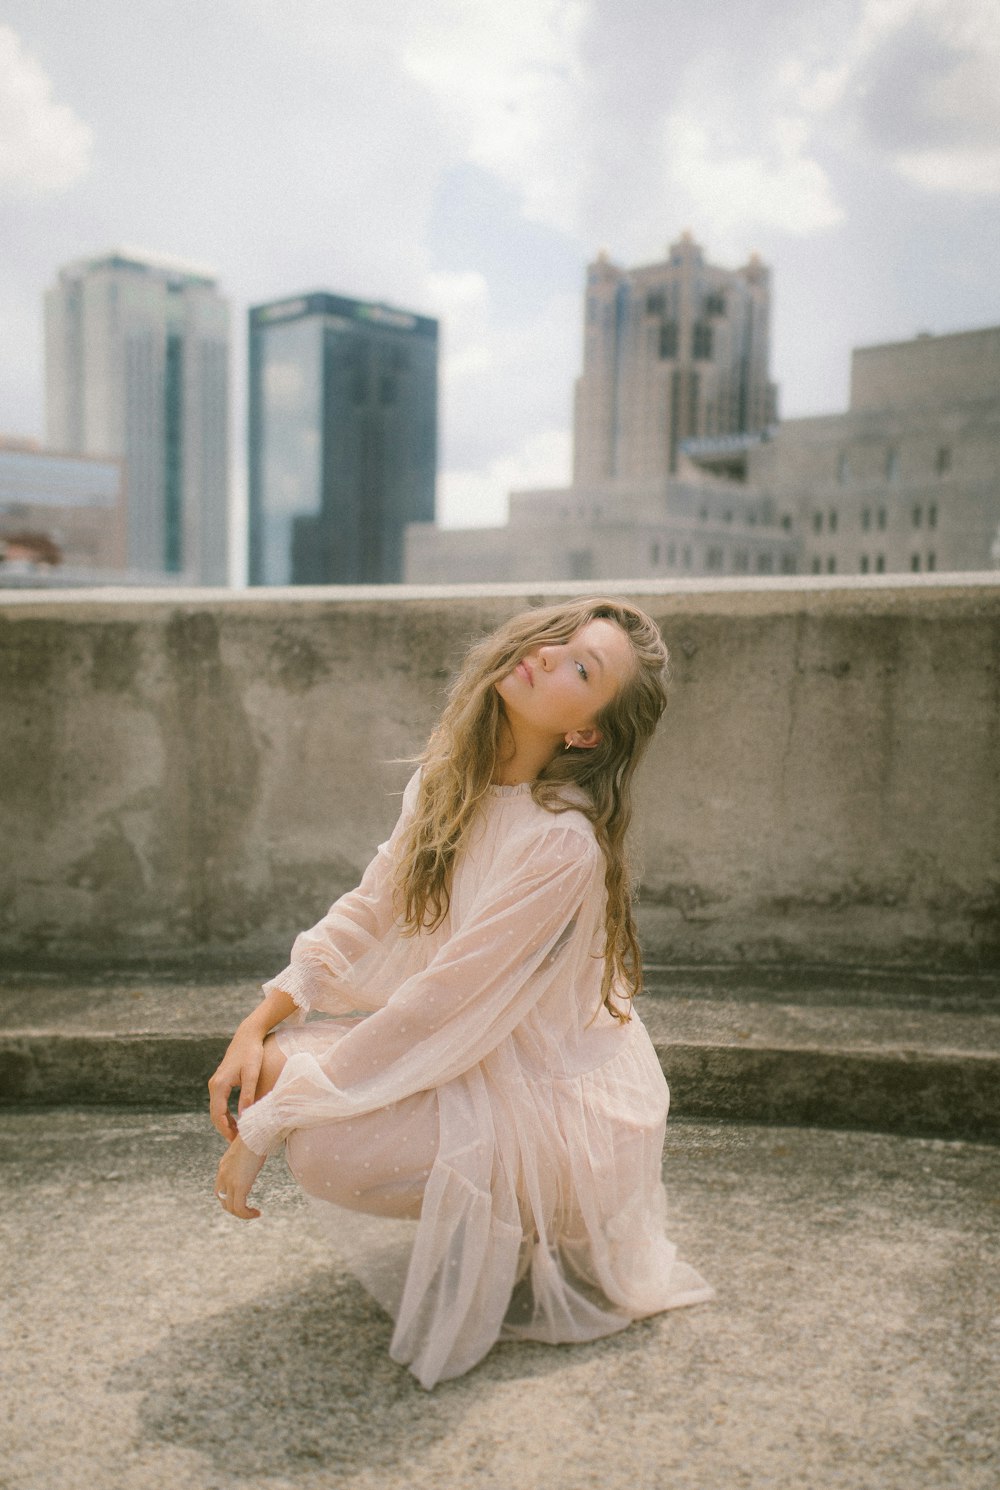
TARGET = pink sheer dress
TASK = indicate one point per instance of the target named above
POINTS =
(472, 1087)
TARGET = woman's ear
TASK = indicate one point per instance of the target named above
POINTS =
(583, 739)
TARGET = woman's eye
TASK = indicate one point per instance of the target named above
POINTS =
(582, 671)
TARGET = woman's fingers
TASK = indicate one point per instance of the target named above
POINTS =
(234, 1178)
(249, 1076)
(219, 1087)
(239, 1067)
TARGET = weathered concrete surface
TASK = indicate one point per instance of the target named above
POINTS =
(200, 773)
(152, 1341)
(928, 1065)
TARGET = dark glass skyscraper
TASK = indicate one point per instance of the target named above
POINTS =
(343, 438)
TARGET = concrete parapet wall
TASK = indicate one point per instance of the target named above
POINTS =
(195, 776)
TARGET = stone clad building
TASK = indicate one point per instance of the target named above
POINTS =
(908, 479)
(670, 351)
(680, 469)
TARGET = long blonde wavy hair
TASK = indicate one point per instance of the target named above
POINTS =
(463, 754)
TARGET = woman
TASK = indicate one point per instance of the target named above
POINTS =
(485, 1075)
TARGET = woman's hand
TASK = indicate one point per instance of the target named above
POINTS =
(238, 1168)
(239, 1067)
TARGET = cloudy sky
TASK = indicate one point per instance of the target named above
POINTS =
(467, 158)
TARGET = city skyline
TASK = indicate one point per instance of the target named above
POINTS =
(469, 162)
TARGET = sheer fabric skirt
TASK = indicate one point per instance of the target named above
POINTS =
(511, 1204)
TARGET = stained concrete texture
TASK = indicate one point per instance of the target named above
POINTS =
(154, 1341)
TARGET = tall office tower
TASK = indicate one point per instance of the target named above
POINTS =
(343, 438)
(671, 351)
(136, 366)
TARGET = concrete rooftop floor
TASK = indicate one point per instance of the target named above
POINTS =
(153, 1341)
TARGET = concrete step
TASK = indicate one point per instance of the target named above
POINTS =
(886, 1052)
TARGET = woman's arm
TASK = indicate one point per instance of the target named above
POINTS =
(240, 1066)
(448, 1017)
(321, 960)
(318, 975)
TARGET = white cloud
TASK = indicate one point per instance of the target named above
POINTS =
(728, 189)
(928, 71)
(43, 145)
(478, 498)
(462, 301)
(509, 81)
(968, 172)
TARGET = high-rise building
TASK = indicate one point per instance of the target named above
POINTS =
(670, 351)
(136, 366)
(343, 438)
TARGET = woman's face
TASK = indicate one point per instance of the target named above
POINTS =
(559, 688)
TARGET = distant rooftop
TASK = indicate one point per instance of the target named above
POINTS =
(126, 256)
(324, 303)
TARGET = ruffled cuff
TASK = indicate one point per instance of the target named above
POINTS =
(260, 1126)
(295, 980)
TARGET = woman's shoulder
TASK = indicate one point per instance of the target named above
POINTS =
(564, 831)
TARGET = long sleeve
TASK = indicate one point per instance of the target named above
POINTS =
(318, 975)
(446, 1018)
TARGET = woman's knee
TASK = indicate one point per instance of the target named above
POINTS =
(271, 1067)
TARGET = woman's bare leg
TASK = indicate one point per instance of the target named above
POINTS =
(378, 1162)
(271, 1068)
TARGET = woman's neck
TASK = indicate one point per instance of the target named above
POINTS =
(522, 756)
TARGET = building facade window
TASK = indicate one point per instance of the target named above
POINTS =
(881, 520)
(687, 556)
(932, 560)
(918, 515)
(943, 462)
(915, 563)
(788, 563)
(816, 566)
(765, 564)
(714, 559)
(654, 553)
(932, 515)
(866, 519)
(892, 465)
(817, 522)
(741, 561)
(831, 565)
(864, 563)
(702, 350)
(832, 520)
(668, 340)
(843, 468)
(880, 563)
